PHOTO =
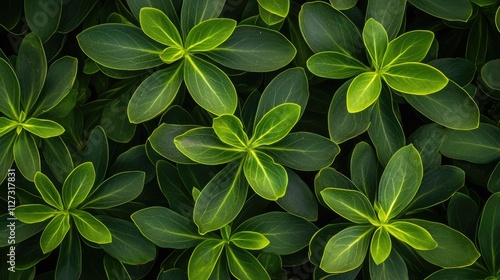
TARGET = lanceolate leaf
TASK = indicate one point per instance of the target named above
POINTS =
(389, 13)
(394, 267)
(350, 204)
(204, 258)
(10, 91)
(6, 125)
(6, 156)
(335, 65)
(69, 263)
(159, 27)
(162, 141)
(299, 198)
(376, 41)
(267, 178)
(26, 155)
(489, 230)
(363, 167)
(120, 46)
(412, 234)
(34, 213)
(363, 91)
(209, 34)
(244, 265)
(54, 232)
(90, 228)
(43, 128)
(48, 191)
(380, 245)
(275, 124)
(209, 86)
(410, 47)
(77, 185)
(414, 78)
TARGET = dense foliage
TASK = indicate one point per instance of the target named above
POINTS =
(250, 139)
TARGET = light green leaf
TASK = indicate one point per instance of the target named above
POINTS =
(244, 265)
(203, 146)
(204, 258)
(380, 246)
(389, 13)
(10, 91)
(90, 228)
(158, 27)
(488, 234)
(254, 49)
(171, 54)
(155, 94)
(196, 11)
(267, 178)
(409, 47)
(335, 65)
(54, 232)
(31, 69)
(350, 204)
(222, 199)
(376, 41)
(77, 185)
(363, 91)
(412, 234)
(399, 182)
(209, 86)
(7, 125)
(347, 249)
(229, 129)
(453, 10)
(166, 228)
(277, 7)
(414, 78)
(120, 46)
(26, 155)
(48, 191)
(34, 213)
(363, 168)
(43, 128)
(209, 34)
(275, 124)
(481, 145)
(249, 240)
(268, 17)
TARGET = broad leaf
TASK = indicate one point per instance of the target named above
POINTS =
(162, 141)
(209, 86)
(459, 273)
(167, 7)
(58, 158)
(77, 185)
(267, 178)
(166, 228)
(427, 139)
(394, 267)
(43, 17)
(54, 232)
(97, 152)
(489, 72)
(249, 240)
(299, 198)
(376, 41)
(412, 234)
(204, 258)
(414, 78)
(48, 191)
(244, 265)
(120, 46)
(275, 124)
(463, 214)
(363, 91)
(347, 249)
(155, 94)
(454, 10)
(10, 91)
(73, 13)
(488, 233)
(410, 47)
(26, 155)
(277, 7)
(222, 199)
(158, 27)
(229, 129)
(389, 13)
(363, 167)
(329, 177)
(90, 228)
(203, 146)
(380, 245)
(43, 128)
(69, 263)
(335, 65)
(399, 182)
(209, 34)
(34, 213)
(196, 11)
(350, 204)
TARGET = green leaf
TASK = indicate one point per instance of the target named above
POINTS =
(204, 258)
(459, 273)
(481, 145)
(209, 34)
(488, 234)
(389, 13)
(26, 155)
(275, 124)
(335, 65)
(43, 128)
(162, 141)
(58, 158)
(7, 125)
(380, 246)
(350, 204)
(286, 233)
(277, 7)
(459, 70)
(478, 41)
(267, 178)
(244, 265)
(363, 91)
(196, 11)
(363, 168)
(31, 69)
(412, 234)
(203, 146)
(385, 131)
(399, 182)
(451, 107)
(166, 7)
(97, 152)
(209, 86)
(453, 10)
(394, 267)
(326, 29)
(48, 191)
(43, 17)
(494, 180)
(343, 125)
(229, 129)
(254, 49)
(69, 263)
(249, 240)
(77, 185)
(343, 4)
(158, 27)
(90, 228)
(497, 19)
(34, 213)
(172, 187)
(329, 177)
(11, 15)
(489, 72)
(299, 199)
(222, 199)
(268, 17)
(453, 250)
(303, 151)
(155, 94)
(427, 139)
(6, 156)
(10, 91)
(116, 190)
(54, 232)
(463, 214)
(414, 78)
(73, 13)
(376, 41)
(166, 228)
(347, 249)
(115, 269)
(120, 46)
(409, 47)
(171, 54)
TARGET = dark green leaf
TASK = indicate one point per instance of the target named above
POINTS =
(97, 151)
(209, 34)
(167, 7)
(10, 91)
(350, 204)
(363, 167)
(162, 141)
(90, 228)
(478, 41)
(453, 10)
(43, 17)
(275, 124)
(6, 156)
(463, 214)
(331, 178)
(427, 139)
(389, 13)
(267, 178)
(173, 188)
(490, 73)
(196, 11)
(43, 128)
(204, 259)
(73, 13)
(58, 158)
(115, 269)
(26, 155)
(115, 123)
(299, 199)
(244, 265)
(34, 213)
(394, 267)
(458, 273)
(54, 232)
(159, 27)
(11, 14)
(69, 263)
(77, 185)
(335, 65)
(488, 233)
(459, 70)
(343, 4)
(48, 191)
(494, 181)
